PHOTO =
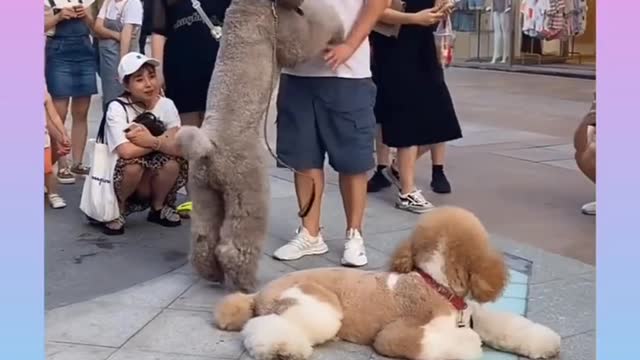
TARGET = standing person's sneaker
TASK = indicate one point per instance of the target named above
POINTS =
(378, 181)
(65, 176)
(413, 202)
(56, 201)
(303, 244)
(354, 251)
(80, 169)
(439, 182)
(589, 209)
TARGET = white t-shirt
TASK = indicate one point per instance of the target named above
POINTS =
(358, 66)
(118, 120)
(126, 11)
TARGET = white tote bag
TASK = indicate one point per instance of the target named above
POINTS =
(99, 201)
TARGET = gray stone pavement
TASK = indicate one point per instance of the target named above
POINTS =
(514, 168)
(170, 317)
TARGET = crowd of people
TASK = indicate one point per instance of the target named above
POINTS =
(368, 95)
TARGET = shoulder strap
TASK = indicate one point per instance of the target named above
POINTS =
(100, 137)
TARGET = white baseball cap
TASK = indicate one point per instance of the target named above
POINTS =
(132, 62)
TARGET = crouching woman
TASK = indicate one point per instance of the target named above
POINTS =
(140, 127)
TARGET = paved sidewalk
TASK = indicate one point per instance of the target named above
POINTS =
(169, 318)
(514, 169)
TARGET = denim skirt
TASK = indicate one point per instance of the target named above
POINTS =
(70, 66)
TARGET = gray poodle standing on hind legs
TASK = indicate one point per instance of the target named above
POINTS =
(228, 180)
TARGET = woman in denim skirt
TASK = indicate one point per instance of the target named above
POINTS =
(70, 70)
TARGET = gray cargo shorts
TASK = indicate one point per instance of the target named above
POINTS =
(326, 115)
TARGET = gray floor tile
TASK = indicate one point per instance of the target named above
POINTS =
(145, 355)
(204, 295)
(337, 350)
(58, 351)
(579, 347)
(565, 164)
(97, 323)
(545, 266)
(536, 154)
(567, 306)
(159, 292)
(188, 333)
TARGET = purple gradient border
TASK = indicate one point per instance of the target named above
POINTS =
(22, 255)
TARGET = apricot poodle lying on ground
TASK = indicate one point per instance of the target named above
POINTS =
(428, 307)
(227, 171)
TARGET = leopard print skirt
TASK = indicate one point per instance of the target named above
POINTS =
(153, 162)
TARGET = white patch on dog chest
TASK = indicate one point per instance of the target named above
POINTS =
(435, 268)
(392, 280)
(442, 339)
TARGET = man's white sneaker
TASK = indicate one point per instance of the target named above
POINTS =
(354, 252)
(302, 244)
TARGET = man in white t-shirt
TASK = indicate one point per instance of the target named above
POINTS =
(325, 106)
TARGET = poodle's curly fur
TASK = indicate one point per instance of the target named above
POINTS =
(228, 182)
(397, 312)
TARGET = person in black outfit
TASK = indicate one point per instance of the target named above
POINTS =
(145, 29)
(185, 46)
(413, 105)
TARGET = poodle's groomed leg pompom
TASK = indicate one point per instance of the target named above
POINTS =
(514, 333)
(194, 142)
(272, 337)
(233, 312)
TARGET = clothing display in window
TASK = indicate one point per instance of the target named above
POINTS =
(553, 19)
(464, 17)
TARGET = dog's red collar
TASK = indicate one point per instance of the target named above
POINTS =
(454, 299)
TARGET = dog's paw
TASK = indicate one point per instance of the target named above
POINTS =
(542, 343)
(469, 344)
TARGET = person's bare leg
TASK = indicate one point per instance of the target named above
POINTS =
(62, 107)
(304, 190)
(192, 118)
(439, 182)
(162, 182)
(132, 176)
(79, 127)
(383, 153)
(353, 189)
(407, 166)
(378, 181)
(437, 153)
(131, 179)
(423, 149)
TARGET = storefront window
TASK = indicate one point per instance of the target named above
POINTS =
(499, 33)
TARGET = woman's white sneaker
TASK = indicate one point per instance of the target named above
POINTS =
(354, 251)
(303, 244)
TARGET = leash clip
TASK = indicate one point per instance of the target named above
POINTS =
(461, 322)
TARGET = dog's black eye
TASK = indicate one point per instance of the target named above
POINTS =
(299, 11)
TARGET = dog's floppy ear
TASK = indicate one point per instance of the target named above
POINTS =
(290, 4)
(402, 259)
(488, 277)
